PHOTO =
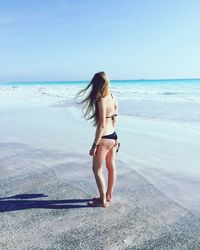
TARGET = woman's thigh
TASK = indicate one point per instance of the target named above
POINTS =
(104, 147)
(111, 155)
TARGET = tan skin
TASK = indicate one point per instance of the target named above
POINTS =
(106, 149)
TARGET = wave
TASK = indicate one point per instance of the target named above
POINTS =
(172, 93)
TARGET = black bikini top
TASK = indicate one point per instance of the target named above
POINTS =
(112, 116)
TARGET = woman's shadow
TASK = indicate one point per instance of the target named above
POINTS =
(23, 201)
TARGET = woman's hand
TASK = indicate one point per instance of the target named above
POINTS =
(93, 151)
(116, 143)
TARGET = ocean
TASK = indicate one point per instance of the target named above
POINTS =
(173, 100)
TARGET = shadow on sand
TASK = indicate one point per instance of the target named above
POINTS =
(22, 201)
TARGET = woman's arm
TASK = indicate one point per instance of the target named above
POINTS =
(115, 117)
(116, 111)
(100, 123)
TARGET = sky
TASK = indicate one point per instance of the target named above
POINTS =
(58, 40)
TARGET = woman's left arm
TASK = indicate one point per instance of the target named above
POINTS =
(100, 125)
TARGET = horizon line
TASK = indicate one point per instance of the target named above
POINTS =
(111, 80)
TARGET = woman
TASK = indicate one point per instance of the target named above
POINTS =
(102, 107)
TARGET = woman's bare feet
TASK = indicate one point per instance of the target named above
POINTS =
(97, 202)
(108, 198)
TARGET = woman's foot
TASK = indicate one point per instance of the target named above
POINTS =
(97, 202)
(108, 198)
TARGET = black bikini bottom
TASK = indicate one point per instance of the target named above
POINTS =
(110, 136)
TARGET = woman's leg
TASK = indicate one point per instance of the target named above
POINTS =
(97, 169)
(111, 167)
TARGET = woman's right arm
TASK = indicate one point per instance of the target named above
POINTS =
(116, 111)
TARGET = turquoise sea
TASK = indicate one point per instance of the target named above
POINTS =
(171, 99)
(113, 82)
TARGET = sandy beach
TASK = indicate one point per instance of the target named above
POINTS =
(46, 179)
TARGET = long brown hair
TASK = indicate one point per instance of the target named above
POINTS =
(99, 88)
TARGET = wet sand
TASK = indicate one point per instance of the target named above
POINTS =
(43, 206)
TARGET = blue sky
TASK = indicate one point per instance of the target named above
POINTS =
(72, 39)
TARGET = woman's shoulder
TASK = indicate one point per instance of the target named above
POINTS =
(102, 98)
(107, 97)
